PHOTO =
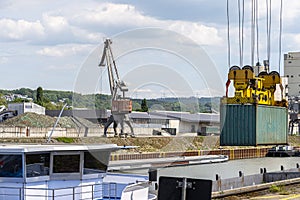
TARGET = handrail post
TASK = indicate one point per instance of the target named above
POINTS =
(20, 193)
(92, 191)
(73, 193)
(116, 186)
(52, 194)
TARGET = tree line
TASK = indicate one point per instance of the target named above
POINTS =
(54, 100)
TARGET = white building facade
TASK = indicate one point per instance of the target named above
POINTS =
(25, 107)
(292, 72)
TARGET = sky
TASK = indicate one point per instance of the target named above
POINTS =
(162, 48)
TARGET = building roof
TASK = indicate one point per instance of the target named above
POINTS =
(25, 103)
(170, 115)
(145, 115)
(149, 115)
(87, 114)
(188, 117)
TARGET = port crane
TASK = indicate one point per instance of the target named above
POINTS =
(121, 105)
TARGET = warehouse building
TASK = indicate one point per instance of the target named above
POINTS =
(25, 107)
(175, 123)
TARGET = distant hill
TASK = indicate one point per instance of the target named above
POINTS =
(55, 99)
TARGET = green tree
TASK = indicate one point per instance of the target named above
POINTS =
(144, 106)
(19, 100)
(39, 96)
(3, 100)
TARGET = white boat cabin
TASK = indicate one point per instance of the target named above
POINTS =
(54, 171)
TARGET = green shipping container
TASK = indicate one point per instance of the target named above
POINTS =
(252, 125)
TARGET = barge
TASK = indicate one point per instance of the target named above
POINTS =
(64, 172)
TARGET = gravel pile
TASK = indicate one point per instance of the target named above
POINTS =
(36, 120)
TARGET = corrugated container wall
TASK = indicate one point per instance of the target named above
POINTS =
(252, 125)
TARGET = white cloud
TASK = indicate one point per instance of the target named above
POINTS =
(200, 33)
(124, 15)
(55, 24)
(3, 60)
(87, 25)
(291, 10)
(112, 15)
(65, 50)
(61, 67)
(87, 36)
(20, 29)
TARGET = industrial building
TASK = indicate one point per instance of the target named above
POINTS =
(25, 107)
(175, 123)
(292, 71)
(200, 123)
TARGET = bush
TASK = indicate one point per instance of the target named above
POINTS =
(275, 188)
(65, 140)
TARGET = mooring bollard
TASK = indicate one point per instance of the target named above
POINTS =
(217, 177)
(240, 173)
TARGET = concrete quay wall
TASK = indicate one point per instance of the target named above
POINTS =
(36, 132)
(231, 153)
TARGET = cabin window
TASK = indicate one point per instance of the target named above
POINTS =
(11, 166)
(93, 163)
(66, 163)
(37, 164)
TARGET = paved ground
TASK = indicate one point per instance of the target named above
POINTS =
(291, 192)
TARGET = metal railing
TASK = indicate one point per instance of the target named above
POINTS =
(84, 192)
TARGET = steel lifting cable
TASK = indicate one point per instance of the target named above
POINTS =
(240, 42)
(228, 34)
(252, 32)
(241, 14)
(269, 22)
(280, 34)
(243, 19)
(257, 30)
